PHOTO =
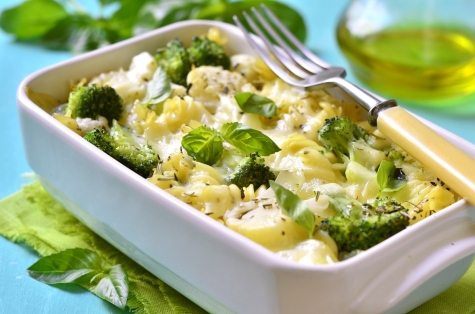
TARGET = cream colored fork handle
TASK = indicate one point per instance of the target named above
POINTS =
(446, 161)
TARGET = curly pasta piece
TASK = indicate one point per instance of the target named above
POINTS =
(304, 156)
(163, 181)
(212, 200)
(179, 165)
(361, 182)
(438, 198)
(269, 227)
(216, 199)
(423, 198)
(203, 173)
(215, 35)
(178, 111)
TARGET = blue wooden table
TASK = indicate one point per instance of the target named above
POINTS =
(21, 294)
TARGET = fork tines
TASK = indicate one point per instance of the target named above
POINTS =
(290, 52)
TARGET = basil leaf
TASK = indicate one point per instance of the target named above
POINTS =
(58, 36)
(385, 172)
(252, 103)
(32, 19)
(204, 144)
(159, 88)
(66, 266)
(107, 2)
(385, 178)
(161, 13)
(394, 185)
(83, 267)
(289, 17)
(224, 11)
(114, 287)
(248, 140)
(89, 34)
(294, 207)
(126, 17)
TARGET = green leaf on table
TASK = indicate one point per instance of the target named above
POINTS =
(71, 27)
(114, 287)
(58, 36)
(248, 140)
(32, 19)
(83, 267)
(80, 33)
(225, 10)
(91, 36)
(107, 2)
(159, 88)
(385, 178)
(127, 16)
(294, 207)
(156, 14)
(289, 17)
(253, 103)
(204, 144)
(160, 13)
(66, 266)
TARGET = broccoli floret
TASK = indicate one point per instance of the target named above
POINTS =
(93, 101)
(349, 142)
(352, 234)
(385, 217)
(204, 51)
(395, 155)
(338, 133)
(384, 205)
(121, 145)
(175, 60)
(101, 139)
(251, 170)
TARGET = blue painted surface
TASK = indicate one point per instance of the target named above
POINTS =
(21, 294)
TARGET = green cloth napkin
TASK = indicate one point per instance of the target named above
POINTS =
(32, 216)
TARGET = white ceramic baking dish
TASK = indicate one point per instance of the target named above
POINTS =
(212, 265)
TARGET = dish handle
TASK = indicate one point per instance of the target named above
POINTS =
(451, 164)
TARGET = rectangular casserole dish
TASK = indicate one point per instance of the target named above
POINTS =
(215, 267)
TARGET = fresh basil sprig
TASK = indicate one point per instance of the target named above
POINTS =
(248, 140)
(113, 287)
(205, 144)
(66, 25)
(294, 207)
(25, 22)
(159, 88)
(386, 180)
(253, 103)
(86, 268)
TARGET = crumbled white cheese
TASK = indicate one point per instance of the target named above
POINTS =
(87, 124)
(131, 85)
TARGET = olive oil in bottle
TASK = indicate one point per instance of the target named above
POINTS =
(411, 62)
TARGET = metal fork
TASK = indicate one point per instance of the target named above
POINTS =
(298, 66)
(304, 69)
